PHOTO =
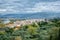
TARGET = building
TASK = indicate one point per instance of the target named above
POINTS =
(24, 22)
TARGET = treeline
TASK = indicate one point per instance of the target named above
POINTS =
(48, 30)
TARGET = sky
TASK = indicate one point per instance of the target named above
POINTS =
(29, 6)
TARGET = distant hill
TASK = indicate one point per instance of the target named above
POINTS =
(32, 15)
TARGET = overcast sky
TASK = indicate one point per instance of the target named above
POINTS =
(29, 6)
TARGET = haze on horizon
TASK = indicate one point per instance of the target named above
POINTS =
(29, 6)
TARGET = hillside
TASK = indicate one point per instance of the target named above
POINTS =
(32, 15)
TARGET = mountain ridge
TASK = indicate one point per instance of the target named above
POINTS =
(32, 15)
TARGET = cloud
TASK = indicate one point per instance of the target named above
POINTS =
(44, 7)
(2, 10)
(29, 6)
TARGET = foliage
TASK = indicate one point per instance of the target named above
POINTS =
(36, 31)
